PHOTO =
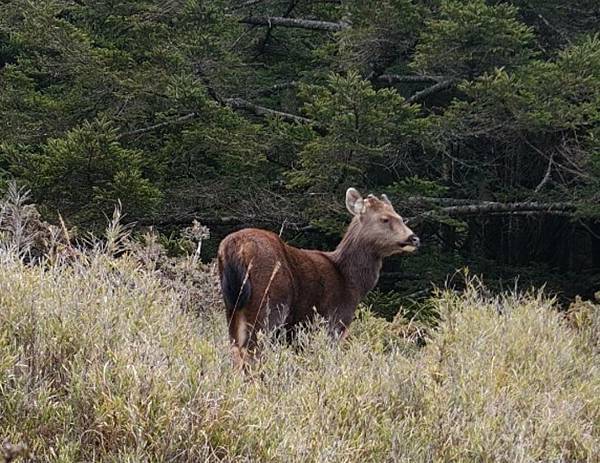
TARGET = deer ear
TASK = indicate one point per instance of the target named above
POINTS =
(354, 201)
(385, 199)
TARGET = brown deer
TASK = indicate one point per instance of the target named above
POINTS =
(268, 284)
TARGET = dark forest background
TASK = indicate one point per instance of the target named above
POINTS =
(479, 119)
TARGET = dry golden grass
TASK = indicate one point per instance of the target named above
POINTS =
(99, 361)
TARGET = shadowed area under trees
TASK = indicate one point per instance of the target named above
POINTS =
(479, 119)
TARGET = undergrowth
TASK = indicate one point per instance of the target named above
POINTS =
(102, 360)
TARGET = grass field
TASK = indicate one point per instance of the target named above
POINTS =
(102, 359)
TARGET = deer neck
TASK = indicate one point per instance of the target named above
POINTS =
(358, 262)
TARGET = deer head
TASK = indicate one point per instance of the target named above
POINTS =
(379, 226)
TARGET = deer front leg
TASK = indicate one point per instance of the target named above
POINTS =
(339, 325)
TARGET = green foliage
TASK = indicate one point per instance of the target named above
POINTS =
(545, 96)
(363, 128)
(84, 175)
(381, 32)
(58, 77)
(471, 37)
(540, 104)
(362, 124)
(200, 108)
(415, 186)
(219, 146)
(384, 303)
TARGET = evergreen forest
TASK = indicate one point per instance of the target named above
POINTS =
(479, 119)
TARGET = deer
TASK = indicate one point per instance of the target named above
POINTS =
(268, 284)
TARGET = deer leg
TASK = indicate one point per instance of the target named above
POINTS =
(239, 337)
(243, 333)
(278, 317)
(339, 326)
(345, 332)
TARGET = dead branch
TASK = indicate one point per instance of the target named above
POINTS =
(397, 78)
(233, 103)
(276, 88)
(426, 201)
(263, 45)
(150, 128)
(241, 104)
(246, 4)
(224, 221)
(549, 25)
(249, 3)
(440, 86)
(546, 176)
(487, 208)
(274, 21)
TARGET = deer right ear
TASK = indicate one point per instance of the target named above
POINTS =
(354, 201)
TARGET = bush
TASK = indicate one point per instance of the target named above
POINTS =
(99, 362)
(85, 173)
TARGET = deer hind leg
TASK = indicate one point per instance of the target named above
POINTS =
(243, 333)
(261, 314)
(239, 336)
(278, 316)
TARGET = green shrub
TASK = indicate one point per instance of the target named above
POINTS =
(87, 172)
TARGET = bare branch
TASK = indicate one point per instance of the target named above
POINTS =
(246, 4)
(426, 201)
(440, 86)
(233, 103)
(485, 208)
(575, 169)
(397, 78)
(546, 176)
(229, 221)
(249, 3)
(532, 207)
(158, 126)
(240, 103)
(549, 25)
(273, 21)
(263, 45)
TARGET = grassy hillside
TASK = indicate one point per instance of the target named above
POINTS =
(98, 361)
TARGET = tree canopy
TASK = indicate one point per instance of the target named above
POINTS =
(479, 119)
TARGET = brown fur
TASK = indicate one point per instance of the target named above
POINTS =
(287, 284)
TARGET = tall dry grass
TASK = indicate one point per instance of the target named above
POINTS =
(99, 362)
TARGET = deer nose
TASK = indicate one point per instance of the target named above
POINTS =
(414, 240)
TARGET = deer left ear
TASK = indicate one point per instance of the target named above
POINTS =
(385, 199)
(354, 201)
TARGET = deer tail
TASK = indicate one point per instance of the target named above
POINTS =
(235, 283)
